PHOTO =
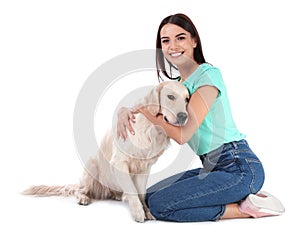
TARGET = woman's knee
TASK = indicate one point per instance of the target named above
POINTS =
(156, 206)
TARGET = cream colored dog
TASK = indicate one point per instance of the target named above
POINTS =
(121, 168)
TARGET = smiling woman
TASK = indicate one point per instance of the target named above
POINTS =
(228, 186)
(176, 38)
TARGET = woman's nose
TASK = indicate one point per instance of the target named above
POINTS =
(173, 45)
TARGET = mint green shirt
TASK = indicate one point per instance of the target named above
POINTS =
(218, 126)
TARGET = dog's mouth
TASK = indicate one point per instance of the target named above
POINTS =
(166, 119)
(179, 122)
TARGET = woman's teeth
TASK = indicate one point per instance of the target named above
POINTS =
(176, 54)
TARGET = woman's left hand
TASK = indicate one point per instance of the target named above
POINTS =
(125, 117)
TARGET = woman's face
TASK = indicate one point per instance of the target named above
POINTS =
(177, 44)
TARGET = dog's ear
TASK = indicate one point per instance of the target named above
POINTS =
(152, 100)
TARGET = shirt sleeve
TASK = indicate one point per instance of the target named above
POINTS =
(210, 76)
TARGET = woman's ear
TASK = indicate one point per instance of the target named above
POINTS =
(194, 44)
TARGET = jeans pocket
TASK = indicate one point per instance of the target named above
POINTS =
(258, 175)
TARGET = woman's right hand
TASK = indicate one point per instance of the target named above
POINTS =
(125, 117)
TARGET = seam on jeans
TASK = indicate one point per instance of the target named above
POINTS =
(220, 215)
(248, 160)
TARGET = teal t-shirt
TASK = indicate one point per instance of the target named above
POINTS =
(218, 126)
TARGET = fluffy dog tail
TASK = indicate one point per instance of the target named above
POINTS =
(44, 191)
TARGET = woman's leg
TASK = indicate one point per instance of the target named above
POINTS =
(209, 195)
(201, 197)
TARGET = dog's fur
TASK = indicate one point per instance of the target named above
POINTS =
(121, 168)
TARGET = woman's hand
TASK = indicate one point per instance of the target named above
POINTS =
(125, 117)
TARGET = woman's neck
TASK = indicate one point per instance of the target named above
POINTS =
(187, 70)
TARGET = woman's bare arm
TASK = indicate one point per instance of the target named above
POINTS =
(198, 107)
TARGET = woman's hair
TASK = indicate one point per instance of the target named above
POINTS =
(186, 23)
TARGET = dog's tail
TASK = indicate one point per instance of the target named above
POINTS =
(44, 191)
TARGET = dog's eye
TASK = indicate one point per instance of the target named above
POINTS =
(187, 100)
(171, 97)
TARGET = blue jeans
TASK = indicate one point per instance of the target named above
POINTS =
(229, 174)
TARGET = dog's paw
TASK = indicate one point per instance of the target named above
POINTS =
(136, 208)
(84, 200)
(139, 216)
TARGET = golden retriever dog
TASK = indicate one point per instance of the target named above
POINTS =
(121, 168)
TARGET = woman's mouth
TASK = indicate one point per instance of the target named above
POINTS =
(177, 54)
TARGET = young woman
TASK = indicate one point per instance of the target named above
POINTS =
(228, 184)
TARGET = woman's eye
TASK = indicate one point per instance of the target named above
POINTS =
(165, 41)
(181, 38)
(171, 97)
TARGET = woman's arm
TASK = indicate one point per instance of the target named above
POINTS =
(198, 107)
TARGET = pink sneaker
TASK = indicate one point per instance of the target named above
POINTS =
(260, 205)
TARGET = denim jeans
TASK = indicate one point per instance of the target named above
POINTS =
(229, 174)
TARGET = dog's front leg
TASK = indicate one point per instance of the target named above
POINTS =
(140, 181)
(122, 175)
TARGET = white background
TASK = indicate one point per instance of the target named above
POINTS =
(49, 48)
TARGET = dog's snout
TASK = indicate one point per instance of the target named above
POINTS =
(181, 117)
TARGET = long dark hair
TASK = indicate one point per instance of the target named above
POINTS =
(186, 23)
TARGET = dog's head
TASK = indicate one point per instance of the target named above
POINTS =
(169, 99)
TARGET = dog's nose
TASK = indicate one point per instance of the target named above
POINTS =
(181, 117)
